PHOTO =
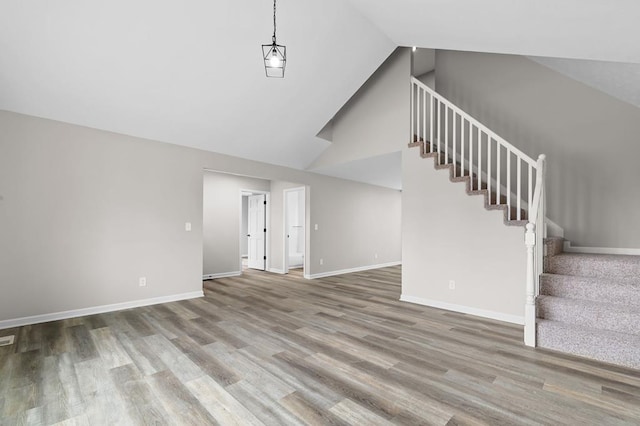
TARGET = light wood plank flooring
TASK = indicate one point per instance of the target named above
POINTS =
(281, 350)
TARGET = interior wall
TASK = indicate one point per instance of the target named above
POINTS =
(424, 61)
(84, 213)
(375, 120)
(449, 235)
(222, 211)
(589, 137)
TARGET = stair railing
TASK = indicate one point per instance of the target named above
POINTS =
(493, 165)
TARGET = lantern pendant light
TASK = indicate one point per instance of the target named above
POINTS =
(274, 55)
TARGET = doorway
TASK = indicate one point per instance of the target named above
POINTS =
(254, 238)
(294, 228)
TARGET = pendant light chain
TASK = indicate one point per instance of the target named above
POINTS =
(274, 22)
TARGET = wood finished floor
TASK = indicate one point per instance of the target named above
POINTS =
(281, 350)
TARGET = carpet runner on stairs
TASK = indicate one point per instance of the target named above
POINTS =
(589, 305)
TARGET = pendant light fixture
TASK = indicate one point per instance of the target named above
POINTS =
(274, 55)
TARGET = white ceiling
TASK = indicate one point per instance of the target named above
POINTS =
(189, 72)
(582, 29)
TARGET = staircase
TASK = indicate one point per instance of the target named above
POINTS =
(490, 166)
(583, 304)
(474, 186)
(589, 305)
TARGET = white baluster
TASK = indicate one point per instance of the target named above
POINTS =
(489, 171)
(446, 134)
(471, 154)
(479, 159)
(439, 131)
(413, 110)
(509, 183)
(498, 172)
(462, 144)
(455, 143)
(431, 115)
(519, 190)
(530, 189)
(424, 117)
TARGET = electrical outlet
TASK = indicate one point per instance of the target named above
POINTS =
(315, 227)
(6, 340)
(452, 285)
(143, 281)
(322, 261)
(187, 226)
(375, 256)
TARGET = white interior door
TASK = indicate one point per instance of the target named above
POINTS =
(294, 228)
(257, 231)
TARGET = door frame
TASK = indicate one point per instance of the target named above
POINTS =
(267, 221)
(285, 227)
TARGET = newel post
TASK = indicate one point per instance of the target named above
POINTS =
(530, 304)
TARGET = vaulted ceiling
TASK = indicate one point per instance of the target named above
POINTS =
(577, 29)
(190, 72)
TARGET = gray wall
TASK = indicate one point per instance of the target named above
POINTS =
(423, 61)
(84, 213)
(590, 139)
(375, 120)
(449, 235)
(621, 80)
(222, 210)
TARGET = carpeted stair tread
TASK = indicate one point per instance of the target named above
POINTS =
(607, 346)
(591, 288)
(588, 313)
(618, 267)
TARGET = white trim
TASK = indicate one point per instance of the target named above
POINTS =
(221, 275)
(514, 319)
(348, 271)
(600, 250)
(36, 319)
(276, 271)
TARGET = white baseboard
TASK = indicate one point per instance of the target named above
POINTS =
(36, 319)
(568, 248)
(348, 271)
(221, 275)
(276, 270)
(514, 319)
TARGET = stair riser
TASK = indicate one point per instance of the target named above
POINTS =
(554, 246)
(606, 347)
(590, 289)
(584, 314)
